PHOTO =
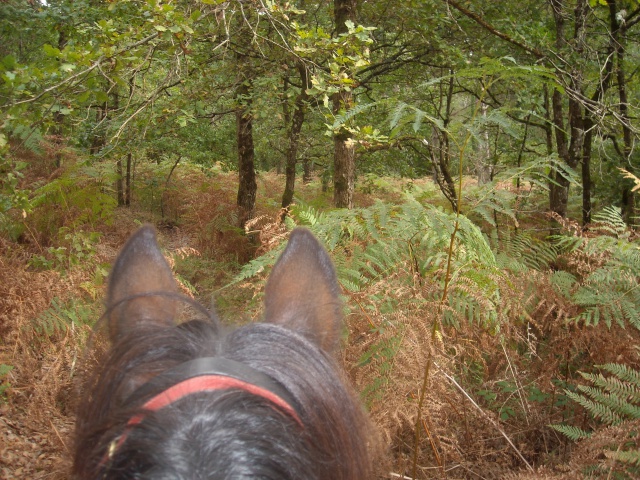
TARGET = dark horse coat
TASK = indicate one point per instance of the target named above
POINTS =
(193, 401)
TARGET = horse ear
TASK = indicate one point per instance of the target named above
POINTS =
(302, 291)
(141, 286)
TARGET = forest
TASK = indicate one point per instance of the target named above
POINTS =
(470, 166)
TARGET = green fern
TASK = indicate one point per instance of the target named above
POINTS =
(609, 292)
(30, 137)
(383, 240)
(59, 317)
(80, 197)
(571, 432)
(4, 385)
(564, 282)
(631, 457)
(415, 117)
(256, 266)
(613, 400)
(409, 241)
(343, 118)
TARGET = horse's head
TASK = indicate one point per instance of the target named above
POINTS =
(191, 400)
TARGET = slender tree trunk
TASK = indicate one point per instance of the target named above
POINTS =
(294, 136)
(343, 170)
(628, 195)
(559, 186)
(586, 172)
(344, 158)
(119, 183)
(440, 153)
(440, 139)
(247, 186)
(166, 188)
(483, 159)
(98, 140)
(307, 168)
(549, 122)
(569, 148)
(127, 181)
(58, 117)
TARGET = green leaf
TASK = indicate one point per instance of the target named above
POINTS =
(9, 62)
(51, 51)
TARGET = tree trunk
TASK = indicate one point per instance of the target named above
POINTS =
(586, 172)
(344, 169)
(127, 182)
(589, 121)
(98, 140)
(483, 159)
(58, 117)
(628, 195)
(439, 153)
(569, 148)
(294, 136)
(247, 185)
(307, 168)
(119, 183)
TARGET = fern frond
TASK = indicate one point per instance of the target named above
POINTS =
(610, 400)
(623, 372)
(599, 410)
(61, 316)
(256, 266)
(631, 457)
(609, 220)
(571, 432)
(620, 388)
(563, 282)
(343, 118)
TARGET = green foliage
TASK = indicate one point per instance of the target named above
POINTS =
(12, 197)
(606, 287)
(76, 248)
(505, 397)
(488, 73)
(4, 385)
(372, 244)
(571, 432)
(346, 53)
(82, 196)
(493, 200)
(613, 400)
(520, 251)
(60, 317)
(257, 266)
(382, 353)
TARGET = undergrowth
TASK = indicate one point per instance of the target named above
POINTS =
(524, 314)
(512, 332)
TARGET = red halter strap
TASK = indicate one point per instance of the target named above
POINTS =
(207, 383)
(205, 375)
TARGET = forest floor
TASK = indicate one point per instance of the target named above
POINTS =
(43, 339)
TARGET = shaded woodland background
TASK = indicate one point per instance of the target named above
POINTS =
(471, 167)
